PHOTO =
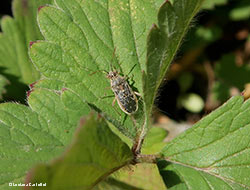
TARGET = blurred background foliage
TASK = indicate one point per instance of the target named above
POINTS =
(18, 28)
(212, 65)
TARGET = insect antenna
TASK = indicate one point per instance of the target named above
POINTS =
(111, 62)
(98, 71)
(111, 67)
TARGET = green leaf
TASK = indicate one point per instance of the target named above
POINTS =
(36, 134)
(214, 153)
(145, 176)
(207, 34)
(241, 11)
(17, 33)
(226, 71)
(114, 184)
(47, 84)
(153, 142)
(94, 154)
(14, 42)
(163, 43)
(185, 81)
(210, 4)
(80, 39)
(192, 102)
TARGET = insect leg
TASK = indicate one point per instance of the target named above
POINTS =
(106, 96)
(112, 104)
(138, 94)
(98, 71)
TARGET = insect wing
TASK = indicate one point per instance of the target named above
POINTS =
(126, 98)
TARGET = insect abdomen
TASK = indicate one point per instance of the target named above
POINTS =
(125, 97)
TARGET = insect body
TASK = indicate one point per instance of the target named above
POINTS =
(124, 95)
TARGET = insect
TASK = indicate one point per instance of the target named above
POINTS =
(124, 95)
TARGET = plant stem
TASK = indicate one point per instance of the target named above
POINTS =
(150, 158)
(136, 149)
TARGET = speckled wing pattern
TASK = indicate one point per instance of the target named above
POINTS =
(125, 97)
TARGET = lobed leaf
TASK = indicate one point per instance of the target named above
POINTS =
(16, 34)
(38, 133)
(163, 42)
(94, 154)
(144, 176)
(214, 153)
(81, 37)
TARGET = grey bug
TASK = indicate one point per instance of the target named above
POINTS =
(124, 95)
